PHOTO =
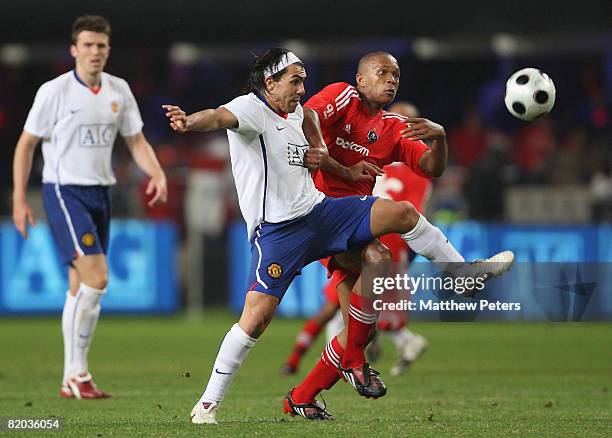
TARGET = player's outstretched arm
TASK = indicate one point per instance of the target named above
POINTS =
(312, 131)
(145, 158)
(22, 165)
(433, 161)
(202, 121)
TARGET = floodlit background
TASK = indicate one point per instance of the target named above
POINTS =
(542, 189)
(455, 59)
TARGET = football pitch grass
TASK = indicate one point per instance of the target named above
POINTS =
(476, 379)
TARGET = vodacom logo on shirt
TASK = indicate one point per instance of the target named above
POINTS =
(351, 146)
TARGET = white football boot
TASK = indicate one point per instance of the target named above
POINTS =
(495, 266)
(204, 413)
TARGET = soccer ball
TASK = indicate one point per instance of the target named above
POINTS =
(530, 93)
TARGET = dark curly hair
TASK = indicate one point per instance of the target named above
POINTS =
(270, 59)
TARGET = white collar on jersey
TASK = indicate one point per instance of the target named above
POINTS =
(286, 60)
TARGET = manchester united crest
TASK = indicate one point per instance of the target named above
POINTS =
(88, 239)
(372, 136)
(275, 270)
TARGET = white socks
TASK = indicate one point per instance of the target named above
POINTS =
(67, 332)
(79, 321)
(233, 351)
(428, 241)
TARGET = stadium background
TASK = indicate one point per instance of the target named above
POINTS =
(455, 59)
(543, 188)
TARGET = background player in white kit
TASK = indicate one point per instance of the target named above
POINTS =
(78, 115)
(290, 223)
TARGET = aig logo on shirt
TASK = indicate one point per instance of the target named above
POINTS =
(96, 135)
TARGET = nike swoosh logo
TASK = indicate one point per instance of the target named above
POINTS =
(364, 198)
(72, 111)
(280, 128)
(219, 372)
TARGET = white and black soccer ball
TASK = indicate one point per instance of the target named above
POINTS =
(530, 93)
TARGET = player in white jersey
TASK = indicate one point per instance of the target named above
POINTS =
(290, 222)
(77, 116)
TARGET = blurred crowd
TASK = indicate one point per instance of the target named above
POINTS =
(490, 152)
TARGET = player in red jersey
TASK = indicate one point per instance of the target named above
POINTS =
(360, 137)
(398, 183)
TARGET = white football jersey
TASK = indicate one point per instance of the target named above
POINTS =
(78, 127)
(267, 153)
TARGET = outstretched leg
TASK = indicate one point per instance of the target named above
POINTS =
(427, 240)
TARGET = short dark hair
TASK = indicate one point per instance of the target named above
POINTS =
(270, 59)
(92, 23)
(363, 62)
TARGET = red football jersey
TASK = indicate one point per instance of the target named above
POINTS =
(352, 134)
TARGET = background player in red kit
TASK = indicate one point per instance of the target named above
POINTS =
(400, 184)
(350, 123)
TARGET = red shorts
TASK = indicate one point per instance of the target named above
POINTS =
(335, 275)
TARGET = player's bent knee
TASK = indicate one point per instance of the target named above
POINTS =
(97, 280)
(258, 311)
(406, 215)
(254, 324)
(101, 279)
(92, 270)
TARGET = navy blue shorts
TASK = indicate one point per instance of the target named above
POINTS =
(279, 251)
(79, 217)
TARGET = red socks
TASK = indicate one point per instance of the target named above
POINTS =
(362, 318)
(308, 334)
(323, 376)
